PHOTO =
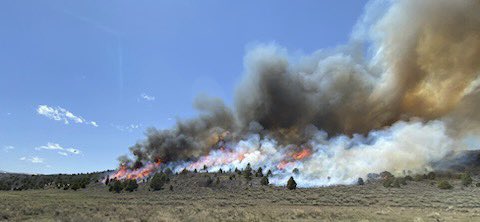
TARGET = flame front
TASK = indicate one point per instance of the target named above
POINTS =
(137, 174)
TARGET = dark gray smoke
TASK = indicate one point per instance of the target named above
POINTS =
(423, 61)
(427, 54)
(191, 138)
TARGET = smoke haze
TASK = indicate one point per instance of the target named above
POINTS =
(400, 95)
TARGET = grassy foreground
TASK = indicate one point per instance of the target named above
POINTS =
(417, 201)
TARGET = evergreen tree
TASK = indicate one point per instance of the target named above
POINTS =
(264, 181)
(248, 172)
(296, 171)
(269, 173)
(259, 172)
(291, 184)
(131, 185)
(107, 180)
(158, 181)
(117, 186)
(360, 181)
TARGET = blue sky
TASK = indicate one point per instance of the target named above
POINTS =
(80, 81)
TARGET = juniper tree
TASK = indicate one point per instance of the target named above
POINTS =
(269, 173)
(158, 181)
(291, 184)
(248, 172)
(264, 181)
(131, 185)
(360, 181)
(259, 172)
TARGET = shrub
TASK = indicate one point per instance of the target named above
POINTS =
(117, 186)
(444, 185)
(195, 171)
(264, 181)
(291, 184)
(131, 185)
(238, 171)
(388, 182)
(184, 171)
(208, 182)
(409, 178)
(158, 181)
(75, 186)
(171, 187)
(431, 176)
(402, 180)
(477, 184)
(396, 183)
(217, 182)
(386, 175)
(418, 177)
(360, 181)
(466, 179)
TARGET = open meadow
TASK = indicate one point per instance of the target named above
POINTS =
(239, 200)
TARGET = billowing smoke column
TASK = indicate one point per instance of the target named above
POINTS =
(399, 96)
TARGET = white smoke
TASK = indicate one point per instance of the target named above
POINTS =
(404, 147)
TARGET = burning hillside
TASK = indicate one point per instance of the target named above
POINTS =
(401, 95)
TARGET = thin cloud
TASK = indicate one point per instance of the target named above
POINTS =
(146, 97)
(61, 114)
(33, 159)
(128, 128)
(61, 150)
(8, 148)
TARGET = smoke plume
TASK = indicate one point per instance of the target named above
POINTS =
(398, 96)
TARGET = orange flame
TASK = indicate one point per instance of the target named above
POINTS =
(137, 174)
(302, 154)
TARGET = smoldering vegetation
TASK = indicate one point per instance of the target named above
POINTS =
(409, 67)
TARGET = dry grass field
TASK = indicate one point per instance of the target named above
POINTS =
(239, 200)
